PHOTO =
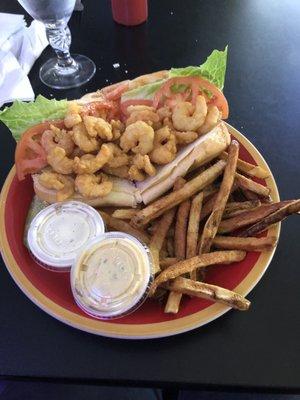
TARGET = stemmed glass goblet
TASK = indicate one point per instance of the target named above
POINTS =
(66, 70)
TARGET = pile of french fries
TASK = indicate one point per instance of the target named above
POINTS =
(212, 218)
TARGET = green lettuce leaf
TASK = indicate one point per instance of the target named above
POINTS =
(22, 115)
(213, 69)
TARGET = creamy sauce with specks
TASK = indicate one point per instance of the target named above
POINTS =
(112, 276)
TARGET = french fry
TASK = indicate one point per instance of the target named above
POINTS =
(248, 184)
(245, 243)
(209, 190)
(208, 207)
(181, 229)
(209, 204)
(210, 292)
(162, 226)
(167, 262)
(193, 229)
(173, 300)
(171, 200)
(211, 226)
(241, 205)
(236, 208)
(155, 258)
(249, 169)
(123, 226)
(125, 213)
(249, 195)
(250, 217)
(170, 247)
(197, 262)
(271, 219)
(161, 231)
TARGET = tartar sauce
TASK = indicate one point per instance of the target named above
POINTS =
(111, 277)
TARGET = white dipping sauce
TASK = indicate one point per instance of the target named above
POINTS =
(112, 276)
(60, 231)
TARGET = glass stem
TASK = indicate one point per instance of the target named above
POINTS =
(60, 40)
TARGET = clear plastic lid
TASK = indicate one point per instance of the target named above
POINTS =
(60, 231)
(112, 276)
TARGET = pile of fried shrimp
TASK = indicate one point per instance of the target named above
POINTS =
(90, 147)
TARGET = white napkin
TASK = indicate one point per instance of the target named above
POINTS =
(10, 24)
(20, 47)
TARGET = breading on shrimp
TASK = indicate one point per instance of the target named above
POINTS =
(138, 137)
(212, 118)
(187, 117)
(72, 117)
(142, 113)
(83, 140)
(59, 161)
(64, 185)
(119, 158)
(98, 127)
(165, 149)
(168, 122)
(91, 185)
(120, 172)
(117, 129)
(185, 137)
(89, 164)
(57, 137)
(164, 112)
(141, 164)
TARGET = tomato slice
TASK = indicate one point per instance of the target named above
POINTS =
(114, 92)
(134, 102)
(30, 156)
(197, 84)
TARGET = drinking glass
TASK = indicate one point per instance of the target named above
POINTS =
(65, 70)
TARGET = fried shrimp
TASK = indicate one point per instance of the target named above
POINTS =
(185, 137)
(83, 140)
(138, 137)
(120, 172)
(117, 129)
(119, 158)
(64, 185)
(142, 113)
(140, 164)
(212, 118)
(57, 137)
(164, 150)
(90, 185)
(187, 117)
(88, 164)
(59, 161)
(72, 117)
(164, 112)
(97, 127)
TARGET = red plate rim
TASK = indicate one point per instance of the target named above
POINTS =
(138, 331)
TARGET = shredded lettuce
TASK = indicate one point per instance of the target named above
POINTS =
(22, 115)
(213, 70)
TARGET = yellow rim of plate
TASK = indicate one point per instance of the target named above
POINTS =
(138, 331)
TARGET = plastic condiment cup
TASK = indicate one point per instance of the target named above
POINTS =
(112, 276)
(60, 231)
